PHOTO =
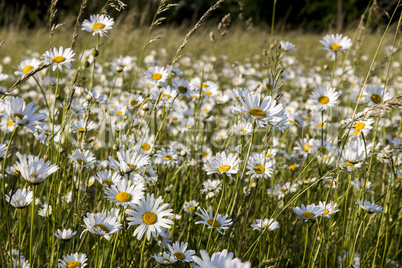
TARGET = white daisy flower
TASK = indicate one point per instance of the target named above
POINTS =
(26, 66)
(268, 225)
(65, 234)
(59, 58)
(211, 188)
(190, 206)
(150, 215)
(128, 161)
(20, 198)
(222, 164)
(310, 212)
(82, 158)
(107, 178)
(97, 224)
(73, 260)
(125, 193)
(179, 252)
(220, 222)
(375, 94)
(219, 259)
(336, 43)
(370, 207)
(324, 97)
(242, 128)
(359, 127)
(260, 167)
(46, 210)
(167, 157)
(282, 190)
(362, 185)
(164, 258)
(328, 208)
(98, 24)
(34, 169)
(287, 46)
(156, 74)
(183, 87)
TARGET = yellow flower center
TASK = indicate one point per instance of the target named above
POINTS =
(58, 59)
(10, 123)
(179, 256)
(165, 96)
(27, 69)
(293, 168)
(208, 93)
(399, 178)
(203, 85)
(156, 76)
(399, 122)
(282, 191)
(319, 125)
(81, 129)
(214, 223)
(119, 112)
(73, 264)
(81, 162)
(233, 152)
(167, 157)
(133, 102)
(174, 117)
(350, 164)
(166, 259)
(335, 47)
(323, 150)
(259, 169)
(191, 209)
(243, 131)
(107, 182)
(307, 147)
(359, 126)
(182, 89)
(145, 147)
(131, 166)
(97, 26)
(123, 197)
(205, 154)
(101, 226)
(326, 211)
(268, 155)
(376, 98)
(308, 215)
(20, 116)
(149, 218)
(257, 113)
(224, 168)
(323, 100)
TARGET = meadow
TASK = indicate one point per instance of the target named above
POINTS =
(218, 145)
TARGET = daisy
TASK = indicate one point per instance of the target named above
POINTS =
(98, 24)
(164, 258)
(375, 94)
(183, 87)
(304, 145)
(310, 212)
(179, 252)
(82, 158)
(128, 161)
(125, 193)
(145, 144)
(20, 198)
(328, 208)
(26, 66)
(361, 185)
(97, 224)
(46, 210)
(18, 114)
(164, 238)
(135, 100)
(281, 191)
(190, 206)
(219, 259)
(33, 169)
(21, 263)
(242, 128)
(287, 46)
(219, 222)
(222, 164)
(324, 97)
(336, 43)
(354, 154)
(3, 150)
(107, 178)
(271, 85)
(156, 74)
(65, 234)
(370, 207)
(151, 216)
(211, 188)
(73, 260)
(81, 125)
(167, 157)
(265, 225)
(59, 58)
(260, 167)
(359, 127)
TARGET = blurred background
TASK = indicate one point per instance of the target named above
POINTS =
(309, 15)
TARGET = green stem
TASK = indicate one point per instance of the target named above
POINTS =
(32, 224)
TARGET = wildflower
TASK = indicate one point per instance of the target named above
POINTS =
(336, 43)
(149, 214)
(167, 157)
(164, 258)
(218, 259)
(359, 127)
(65, 234)
(128, 161)
(73, 260)
(179, 252)
(369, 207)
(18, 114)
(82, 158)
(183, 87)
(310, 212)
(98, 24)
(260, 167)
(281, 191)
(375, 94)
(46, 210)
(59, 58)
(33, 169)
(265, 225)
(242, 128)
(99, 225)
(124, 193)
(20, 198)
(26, 66)
(361, 184)
(328, 208)
(156, 74)
(324, 97)
(287, 46)
(190, 206)
(222, 164)
(211, 188)
(219, 222)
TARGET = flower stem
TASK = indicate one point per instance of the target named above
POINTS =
(305, 245)
(142, 250)
(31, 230)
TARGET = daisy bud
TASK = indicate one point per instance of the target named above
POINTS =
(86, 64)
(119, 69)
(183, 153)
(88, 97)
(168, 190)
(115, 147)
(175, 157)
(95, 52)
(193, 163)
(325, 67)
